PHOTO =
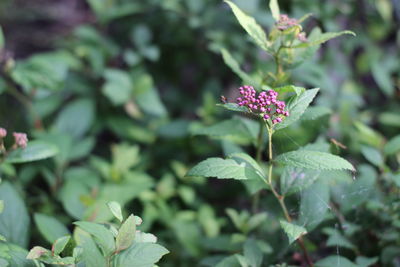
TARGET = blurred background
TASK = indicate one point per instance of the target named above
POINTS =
(121, 88)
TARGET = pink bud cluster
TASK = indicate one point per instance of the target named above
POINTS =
(3, 133)
(302, 37)
(285, 22)
(265, 104)
(21, 140)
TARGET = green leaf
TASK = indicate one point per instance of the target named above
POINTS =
(365, 262)
(335, 261)
(50, 228)
(91, 255)
(147, 97)
(382, 76)
(101, 235)
(314, 160)
(231, 261)
(372, 155)
(37, 252)
(36, 150)
(126, 234)
(44, 71)
(235, 67)
(274, 7)
(368, 135)
(297, 106)
(337, 239)
(313, 113)
(224, 169)
(2, 42)
(76, 118)
(393, 146)
(290, 88)
(60, 244)
(253, 253)
(234, 107)
(14, 220)
(233, 130)
(118, 87)
(15, 256)
(140, 255)
(115, 209)
(314, 205)
(293, 231)
(297, 179)
(251, 26)
(252, 185)
(322, 38)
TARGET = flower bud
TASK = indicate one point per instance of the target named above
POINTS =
(21, 139)
(3, 133)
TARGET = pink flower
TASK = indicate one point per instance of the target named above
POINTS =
(302, 37)
(21, 139)
(3, 133)
(265, 103)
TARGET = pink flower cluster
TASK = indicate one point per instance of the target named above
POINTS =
(265, 104)
(3, 133)
(285, 22)
(20, 139)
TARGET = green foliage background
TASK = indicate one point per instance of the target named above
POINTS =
(126, 91)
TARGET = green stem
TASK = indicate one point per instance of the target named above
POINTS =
(281, 198)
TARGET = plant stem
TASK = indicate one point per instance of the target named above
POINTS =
(281, 198)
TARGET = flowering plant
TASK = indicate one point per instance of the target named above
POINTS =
(275, 105)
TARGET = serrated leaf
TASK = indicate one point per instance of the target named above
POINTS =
(393, 146)
(314, 204)
(233, 107)
(235, 67)
(293, 231)
(322, 38)
(274, 7)
(115, 209)
(297, 106)
(314, 160)
(251, 26)
(224, 169)
(126, 234)
(295, 179)
(36, 150)
(101, 235)
(50, 228)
